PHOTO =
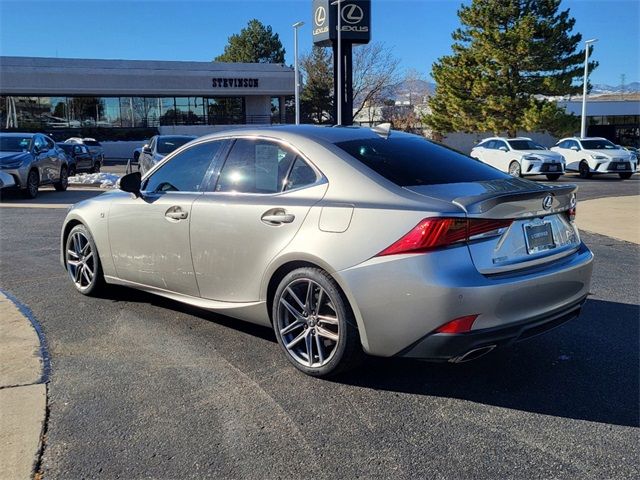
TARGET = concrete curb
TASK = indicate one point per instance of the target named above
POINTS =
(615, 217)
(24, 372)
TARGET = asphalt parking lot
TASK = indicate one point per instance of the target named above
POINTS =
(143, 387)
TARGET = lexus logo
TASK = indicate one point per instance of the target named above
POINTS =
(547, 202)
(352, 14)
(320, 16)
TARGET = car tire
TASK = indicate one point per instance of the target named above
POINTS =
(83, 262)
(514, 169)
(584, 170)
(72, 171)
(33, 183)
(625, 175)
(62, 184)
(318, 340)
(95, 168)
(553, 177)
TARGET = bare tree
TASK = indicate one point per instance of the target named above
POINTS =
(375, 70)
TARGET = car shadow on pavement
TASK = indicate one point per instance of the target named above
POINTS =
(587, 369)
(49, 196)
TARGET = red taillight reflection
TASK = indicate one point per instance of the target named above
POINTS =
(438, 232)
(459, 325)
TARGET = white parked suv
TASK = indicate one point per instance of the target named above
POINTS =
(596, 155)
(519, 156)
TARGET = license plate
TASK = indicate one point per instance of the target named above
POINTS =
(539, 237)
(621, 166)
(553, 168)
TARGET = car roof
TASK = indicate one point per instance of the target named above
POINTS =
(506, 139)
(314, 132)
(580, 139)
(177, 136)
(16, 134)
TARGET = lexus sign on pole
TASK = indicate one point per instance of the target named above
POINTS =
(356, 21)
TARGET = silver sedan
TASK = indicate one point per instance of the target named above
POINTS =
(344, 240)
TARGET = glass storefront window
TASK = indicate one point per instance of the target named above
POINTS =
(54, 112)
(225, 110)
(167, 111)
(110, 112)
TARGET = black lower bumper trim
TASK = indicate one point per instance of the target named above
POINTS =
(445, 347)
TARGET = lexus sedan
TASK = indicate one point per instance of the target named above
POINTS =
(158, 147)
(519, 156)
(590, 156)
(32, 160)
(343, 240)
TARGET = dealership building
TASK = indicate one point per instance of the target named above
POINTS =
(128, 98)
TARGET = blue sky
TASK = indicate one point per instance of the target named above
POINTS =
(418, 31)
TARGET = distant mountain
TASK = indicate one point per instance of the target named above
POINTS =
(409, 91)
(633, 87)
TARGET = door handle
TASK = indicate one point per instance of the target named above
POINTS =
(277, 217)
(176, 213)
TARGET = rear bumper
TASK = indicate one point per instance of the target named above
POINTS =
(401, 300)
(453, 347)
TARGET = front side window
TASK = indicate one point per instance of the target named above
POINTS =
(255, 166)
(39, 143)
(185, 172)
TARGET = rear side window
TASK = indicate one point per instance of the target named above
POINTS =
(255, 166)
(411, 161)
(301, 175)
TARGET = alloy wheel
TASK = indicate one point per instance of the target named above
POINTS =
(33, 184)
(514, 169)
(81, 261)
(308, 323)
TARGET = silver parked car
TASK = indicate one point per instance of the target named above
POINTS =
(32, 159)
(343, 239)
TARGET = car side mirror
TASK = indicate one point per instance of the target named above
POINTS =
(146, 149)
(131, 183)
(503, 148)
(574, 148)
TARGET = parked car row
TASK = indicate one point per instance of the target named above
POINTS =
(588, 156)
(30, 160)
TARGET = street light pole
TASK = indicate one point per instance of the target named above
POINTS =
(297, 72)
(583, 120)
(339, 82)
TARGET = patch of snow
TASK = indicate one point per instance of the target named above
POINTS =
(104, 180)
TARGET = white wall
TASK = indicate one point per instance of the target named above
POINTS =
(120, 150)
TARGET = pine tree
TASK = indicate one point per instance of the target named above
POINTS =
(254, 44)
(316, 98)
(506, 55)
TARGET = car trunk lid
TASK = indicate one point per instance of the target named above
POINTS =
(540, 232)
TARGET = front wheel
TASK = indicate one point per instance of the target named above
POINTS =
(33, 182)
(553, 176)
(82, 261)
(514, 169)
(95, 168)
(62, 184)
(314, 324)
(625, 175)
(584, 170)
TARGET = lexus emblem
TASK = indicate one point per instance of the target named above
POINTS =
(547, 202)
(352, 14)
(320, 16)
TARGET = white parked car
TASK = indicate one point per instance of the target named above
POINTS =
(519, 156)
(596, 155)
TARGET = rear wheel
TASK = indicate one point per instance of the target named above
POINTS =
(514, 169)
(33, 182)
(82, 261)
(553, 176)
(62, 184)
(584, 170)
(314, 324)
(626, 175)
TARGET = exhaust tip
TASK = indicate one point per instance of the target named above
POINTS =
(473, 354)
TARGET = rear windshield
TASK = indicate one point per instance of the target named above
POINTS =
(411, 161)
(14, 144)
(91, 143)
(169, 144)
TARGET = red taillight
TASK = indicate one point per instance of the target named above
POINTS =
(459, 325)
(572, 214)
(438, 232)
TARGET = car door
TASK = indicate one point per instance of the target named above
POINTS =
(501, 156)
(41, 158)
(149, 234)
(262, 195)
(572, 154)
(84, 159)
(52, 159)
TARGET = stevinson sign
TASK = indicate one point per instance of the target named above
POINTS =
(234, 83)
(355, 20)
